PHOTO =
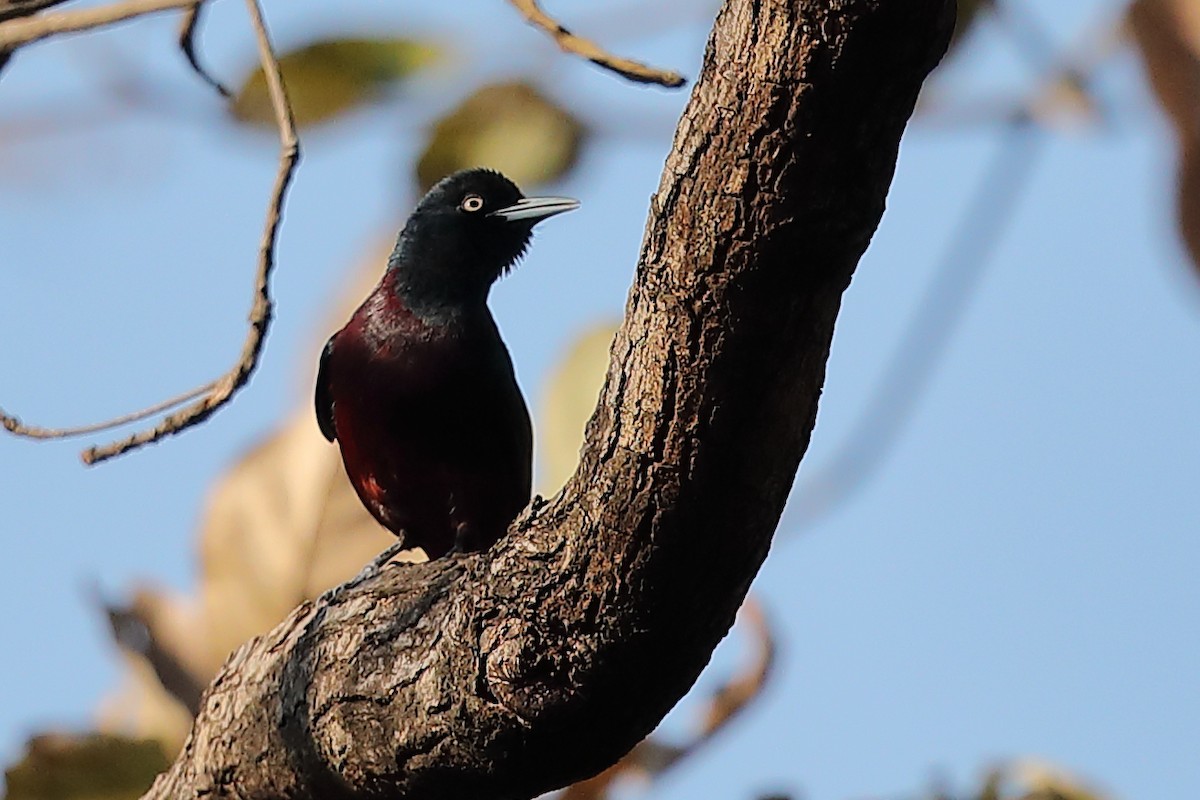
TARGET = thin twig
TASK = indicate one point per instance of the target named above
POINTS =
(260, 312)
(217, 393)
(570, 43)
(188, 27)
(17, 32)
(14, 425)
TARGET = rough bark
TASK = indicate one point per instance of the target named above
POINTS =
(508, 673)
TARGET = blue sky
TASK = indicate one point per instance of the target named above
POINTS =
(1018, 576)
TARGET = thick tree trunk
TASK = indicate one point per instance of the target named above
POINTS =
(508, 673)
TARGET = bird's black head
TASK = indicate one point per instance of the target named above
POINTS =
(466, 232)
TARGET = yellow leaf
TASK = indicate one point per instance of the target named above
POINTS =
(141, 708)
(281, 526)
(510, 127)
(1041, 779)
(567, 403)
(284, 524)
(170, 662)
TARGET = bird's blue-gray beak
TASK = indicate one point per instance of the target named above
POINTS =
(535, 209)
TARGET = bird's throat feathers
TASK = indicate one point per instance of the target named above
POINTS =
(432, 268)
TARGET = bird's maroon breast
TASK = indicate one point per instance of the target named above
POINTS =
(433, 436)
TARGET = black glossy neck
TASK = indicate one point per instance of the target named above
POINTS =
(431, 279)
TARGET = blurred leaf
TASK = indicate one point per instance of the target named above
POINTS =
(1041, 780)
(510, 127)
(1026, 779)
(281, 526)
(1064, 103)
(284, 524)
(160, 629)
(163, 643)
(993, 781)
(1168, 35)
(568, 401)
(142, 708)
(84, 767)
(329, 78)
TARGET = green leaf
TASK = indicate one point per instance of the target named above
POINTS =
(510, 127)
(328, 78)
(90, 766)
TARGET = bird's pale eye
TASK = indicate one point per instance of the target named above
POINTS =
(471, 202)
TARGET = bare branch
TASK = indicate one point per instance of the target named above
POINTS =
(12, 9)
(217, 393)
(14, 425)
(17, 32)
(569, 42)
(188, 28)
(260, 312)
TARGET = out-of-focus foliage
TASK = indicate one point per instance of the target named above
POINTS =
(142, 706)
(87, 767)
(1027, 779)
(328, 78)
(161, 628)
(1168, 35)
(1040, 780)
(282, 526)
(510, 127)
(568, 400)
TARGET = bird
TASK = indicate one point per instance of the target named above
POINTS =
(418, 388)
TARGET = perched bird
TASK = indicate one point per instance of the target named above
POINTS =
(418, 387)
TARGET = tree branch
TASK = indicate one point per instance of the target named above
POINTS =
(260, 311)
(189, 27)
(570, 43)
(214, 394)
(12, 9)
(508, 673)
(26, 30)
(16, 427)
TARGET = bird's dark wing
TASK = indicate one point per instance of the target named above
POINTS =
(324, 395)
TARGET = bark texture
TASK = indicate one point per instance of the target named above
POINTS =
(508, 673)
